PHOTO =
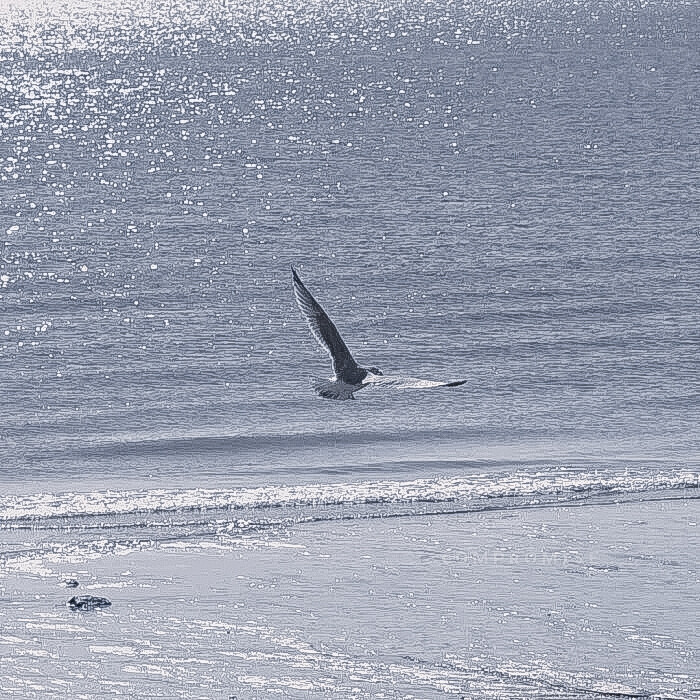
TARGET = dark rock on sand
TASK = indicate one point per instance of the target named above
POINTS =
(71, 583)
(88, 602)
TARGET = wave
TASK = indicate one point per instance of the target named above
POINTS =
(147, 444)
(476, 491)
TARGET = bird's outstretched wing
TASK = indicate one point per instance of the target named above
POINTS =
(383, 382)
(323, 328)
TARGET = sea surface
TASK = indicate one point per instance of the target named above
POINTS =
(502, 192)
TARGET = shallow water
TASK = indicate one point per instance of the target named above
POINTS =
(504, 193)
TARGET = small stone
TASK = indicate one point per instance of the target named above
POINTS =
(71, 583)
(88, 602)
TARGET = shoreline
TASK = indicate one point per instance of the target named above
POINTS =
(315, 603)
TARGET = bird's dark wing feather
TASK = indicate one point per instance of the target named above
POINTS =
(323, 329)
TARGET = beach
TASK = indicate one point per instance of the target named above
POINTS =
(492, 604)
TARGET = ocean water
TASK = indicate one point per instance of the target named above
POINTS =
(502, 192)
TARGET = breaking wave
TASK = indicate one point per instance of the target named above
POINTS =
(477, 492)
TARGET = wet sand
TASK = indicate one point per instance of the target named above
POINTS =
(534, 602)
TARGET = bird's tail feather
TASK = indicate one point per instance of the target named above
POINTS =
(330, 389)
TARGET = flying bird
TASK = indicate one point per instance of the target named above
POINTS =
(348, 377)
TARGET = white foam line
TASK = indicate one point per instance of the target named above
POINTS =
(570, 485)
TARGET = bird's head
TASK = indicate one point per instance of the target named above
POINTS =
(376, 371)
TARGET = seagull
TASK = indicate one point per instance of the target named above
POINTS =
(348, 377)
